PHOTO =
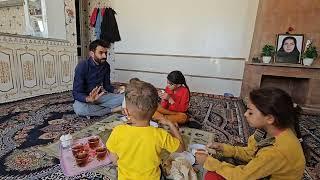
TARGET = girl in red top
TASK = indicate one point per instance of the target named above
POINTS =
(174, 100)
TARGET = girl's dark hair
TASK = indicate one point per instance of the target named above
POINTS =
(279, 104)
(177, 77)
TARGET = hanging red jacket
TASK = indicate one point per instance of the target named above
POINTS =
(93, 17)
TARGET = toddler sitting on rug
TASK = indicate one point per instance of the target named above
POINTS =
(136, 146)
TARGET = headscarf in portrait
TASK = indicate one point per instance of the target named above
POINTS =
(291, 57)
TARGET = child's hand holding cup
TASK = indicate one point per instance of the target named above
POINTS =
(163, 95)
(160, 93)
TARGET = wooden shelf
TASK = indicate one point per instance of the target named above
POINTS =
(301, 82)
(284, 65)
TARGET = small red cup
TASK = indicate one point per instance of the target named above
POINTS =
(82, 158)
(77, 148)
(93, 142)
(101, 153)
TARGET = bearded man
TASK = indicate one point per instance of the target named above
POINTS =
(92, 91)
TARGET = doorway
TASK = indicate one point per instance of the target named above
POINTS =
(81, 26)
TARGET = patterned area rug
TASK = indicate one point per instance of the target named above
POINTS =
(104, 127)
(29, 125)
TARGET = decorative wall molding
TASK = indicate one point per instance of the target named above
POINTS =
(49, 69)
(28, 70)
(36, 66)
(6, 68)
(10, 3)
(66, 64)
(30, 40)
(12, 19)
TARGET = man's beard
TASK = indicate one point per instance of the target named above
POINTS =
(100, 61)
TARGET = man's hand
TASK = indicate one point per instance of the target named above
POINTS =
(94, 95)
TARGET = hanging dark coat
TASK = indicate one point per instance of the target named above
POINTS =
(109, 27)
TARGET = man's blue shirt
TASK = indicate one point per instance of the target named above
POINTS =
(87, 76)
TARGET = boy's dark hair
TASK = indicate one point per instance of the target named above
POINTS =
(133, 80)
(144, 97)
(94, 44)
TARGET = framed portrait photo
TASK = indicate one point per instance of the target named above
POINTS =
(289, 48)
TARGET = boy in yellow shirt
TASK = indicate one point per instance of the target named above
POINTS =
(136, 147)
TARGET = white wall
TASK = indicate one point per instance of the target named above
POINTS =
(208, 75)
(154, 32)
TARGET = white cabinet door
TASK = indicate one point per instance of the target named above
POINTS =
(66, 68)
(29, 71)
(8, 80)
(49, 70)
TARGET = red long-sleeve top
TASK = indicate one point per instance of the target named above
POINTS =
(180, 97)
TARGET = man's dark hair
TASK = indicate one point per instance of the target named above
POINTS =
(94, 44)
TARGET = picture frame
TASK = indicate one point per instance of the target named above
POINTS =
(289, 48)
(10, 3)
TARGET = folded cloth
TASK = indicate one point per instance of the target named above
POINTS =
(181, 169)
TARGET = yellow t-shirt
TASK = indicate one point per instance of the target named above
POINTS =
(138, 150)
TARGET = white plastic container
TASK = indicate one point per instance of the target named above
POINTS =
(66, 140)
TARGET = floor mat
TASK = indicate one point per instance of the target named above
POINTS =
(27, 125)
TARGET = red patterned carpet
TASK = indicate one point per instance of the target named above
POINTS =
(27, 124)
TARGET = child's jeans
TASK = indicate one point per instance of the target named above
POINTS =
(103, 106)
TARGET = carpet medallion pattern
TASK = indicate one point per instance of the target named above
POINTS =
(27, 160)
(27, 125)
(223, 116)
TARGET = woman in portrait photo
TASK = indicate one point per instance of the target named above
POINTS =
(288, 52)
